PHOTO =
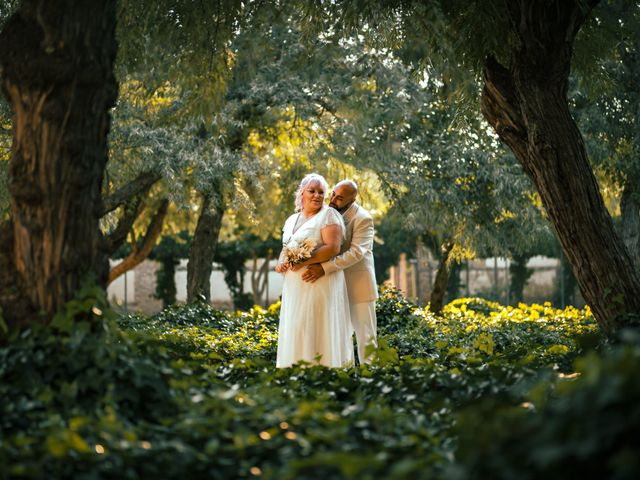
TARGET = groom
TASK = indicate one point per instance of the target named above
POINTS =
(356, 259)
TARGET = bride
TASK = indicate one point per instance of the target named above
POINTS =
(314, 318)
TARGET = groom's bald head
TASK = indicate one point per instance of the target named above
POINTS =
(348, 185)
(343, 195)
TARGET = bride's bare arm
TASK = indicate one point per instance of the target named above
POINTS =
(332, 239)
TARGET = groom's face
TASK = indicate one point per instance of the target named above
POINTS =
(342, 197)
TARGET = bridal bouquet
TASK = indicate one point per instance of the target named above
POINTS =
(296, 252)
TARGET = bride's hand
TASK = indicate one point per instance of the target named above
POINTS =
(282, 267)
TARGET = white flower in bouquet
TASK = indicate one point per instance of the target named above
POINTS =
(297, 252)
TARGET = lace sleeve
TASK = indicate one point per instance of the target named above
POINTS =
(332, 217)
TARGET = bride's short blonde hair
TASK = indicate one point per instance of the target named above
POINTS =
(310, 178)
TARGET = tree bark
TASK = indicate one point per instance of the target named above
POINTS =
(630, 211)
(140, 253)
(436, 302)
(15, 307)
(56, 62)
(203, 246)
(527, 106)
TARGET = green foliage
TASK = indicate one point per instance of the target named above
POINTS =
(445, 170)
(428, 35)
(580, 425)
(393, 237)
(394, 312)
(609, 115)
(69, 386)
(193, 393)
(7, 7)
(181, 42)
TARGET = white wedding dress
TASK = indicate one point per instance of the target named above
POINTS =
(315, 325)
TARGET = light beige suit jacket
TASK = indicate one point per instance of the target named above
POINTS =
(356, 256)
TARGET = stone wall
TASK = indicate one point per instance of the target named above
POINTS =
(141, 285)
(484, 277)
(140, 290)
(146, 287)
(488, 278)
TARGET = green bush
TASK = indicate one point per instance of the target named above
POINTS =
(193, 393)
(581, 425)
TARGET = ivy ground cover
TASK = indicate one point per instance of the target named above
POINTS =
(481, 391)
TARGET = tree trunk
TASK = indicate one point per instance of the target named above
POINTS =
(140, 253)
(630, 211)
(453, 282)
(56, 62)
(260, 277)
(436, 302)
(165, 281)
(203, 246)
(520, 274)
(527, 106)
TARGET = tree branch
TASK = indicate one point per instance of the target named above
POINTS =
(119, 234)
(140, 184)
(139, 254)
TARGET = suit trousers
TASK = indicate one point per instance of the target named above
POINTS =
(363, 320)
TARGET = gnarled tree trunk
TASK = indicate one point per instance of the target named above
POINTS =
(203, 246)
(56, 60)
(527, 106)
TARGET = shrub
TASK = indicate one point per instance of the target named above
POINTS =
(193, 393)
(581, 425)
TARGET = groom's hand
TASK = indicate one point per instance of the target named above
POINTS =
(312, 273)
